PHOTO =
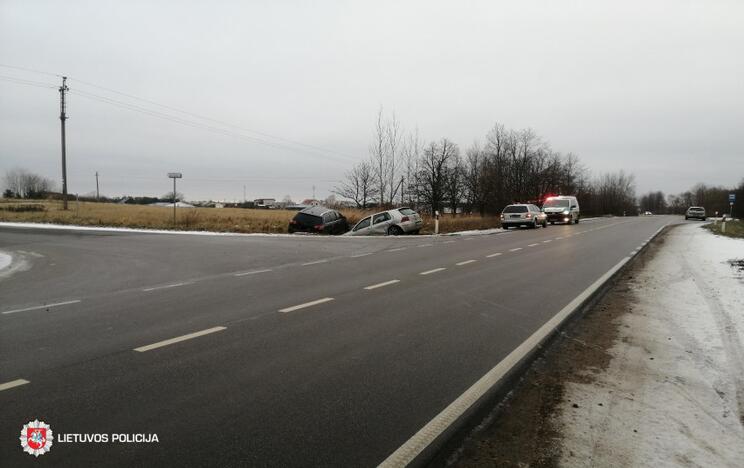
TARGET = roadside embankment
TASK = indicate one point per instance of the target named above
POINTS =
(653, 375)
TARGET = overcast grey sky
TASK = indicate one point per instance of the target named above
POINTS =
(654, 88)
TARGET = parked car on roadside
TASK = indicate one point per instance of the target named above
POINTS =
(697, 212)
(392, 223)
(562, 209)
(319, 220)
(523, 214)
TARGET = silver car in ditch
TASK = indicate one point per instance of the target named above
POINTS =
(392, 223)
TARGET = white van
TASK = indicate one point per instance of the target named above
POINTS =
(562, 209)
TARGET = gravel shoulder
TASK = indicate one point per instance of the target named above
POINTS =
(652, 375)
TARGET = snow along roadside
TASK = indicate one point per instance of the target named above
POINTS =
(73, 227)
(673, 393)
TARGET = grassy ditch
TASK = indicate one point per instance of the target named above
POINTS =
(733, 228)
(197, 219)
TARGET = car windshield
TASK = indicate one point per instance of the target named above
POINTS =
(406, 211)
(307, 219)
(515, 209)
(556, 203)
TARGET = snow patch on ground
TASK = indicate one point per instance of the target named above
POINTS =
(673, 394)
(72, 227)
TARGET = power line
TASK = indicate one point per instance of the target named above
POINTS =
(210, 119)
(189, 123)
(21, 81)
(192, 114)
(30, 70)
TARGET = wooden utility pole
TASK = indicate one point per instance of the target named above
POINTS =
(97, 193)
(62, 117)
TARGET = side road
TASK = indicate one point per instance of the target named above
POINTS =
(653, 375)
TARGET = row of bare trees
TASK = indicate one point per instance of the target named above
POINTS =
(20, 183)
(511, 165)
(713, 199)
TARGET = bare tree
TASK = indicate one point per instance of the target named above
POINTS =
(359, 185)
(393, 140)
(26, 184)
(379, 157)
(433, 173)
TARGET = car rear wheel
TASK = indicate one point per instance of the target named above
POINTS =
(395, 231)
(545, 223)
(576, 221)
(505, 227)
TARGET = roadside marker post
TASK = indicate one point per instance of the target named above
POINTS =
(436, 222)
(174, 176)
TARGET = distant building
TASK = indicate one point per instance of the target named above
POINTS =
(310, 202)
(265, 202)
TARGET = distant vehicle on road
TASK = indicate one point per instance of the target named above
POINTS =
(523, 214)
(647, 213)
(697, 212)
(562, 209)
(391, 223)
(320, 220)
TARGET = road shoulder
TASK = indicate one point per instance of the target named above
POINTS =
(652, 375)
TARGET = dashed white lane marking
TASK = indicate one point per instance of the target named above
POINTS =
(493, 255)
(558, 238)
(397, 250)
(380, 285)
(13, 383)
(428, 272)
(167, 286)
(41, 307)
(361, 255)
(448, 242)
(315, 262)
(178, 339)
(465, 262)
(533, 245)
(546, 241)
(254, 272)
(469, 238)
(425, 245)
(633, 253)
(515, 249)
(307, 304)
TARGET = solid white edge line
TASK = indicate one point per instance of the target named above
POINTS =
(425, 245)
(306, 304)
(414, 446)
(428, 272)
(178, 339)
(13, 383)
(465, 262)
(380, 285)
(254, 272)
(493, 255)
(41, 307)
(396, 250)
(361, 255)
(167, 286)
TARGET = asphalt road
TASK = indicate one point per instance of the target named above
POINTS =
(315, 351)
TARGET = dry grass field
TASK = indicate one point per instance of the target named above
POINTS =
(195, 219)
